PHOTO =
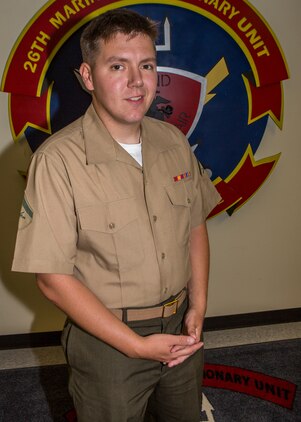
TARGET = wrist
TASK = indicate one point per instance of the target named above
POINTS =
(136, 349)
(197, 309)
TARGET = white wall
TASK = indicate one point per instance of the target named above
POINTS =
(255, 254)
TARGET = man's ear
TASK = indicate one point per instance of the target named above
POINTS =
(86, 74)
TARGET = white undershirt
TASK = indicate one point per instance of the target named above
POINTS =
(134, 150)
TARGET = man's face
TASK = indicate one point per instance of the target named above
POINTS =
(123, 80)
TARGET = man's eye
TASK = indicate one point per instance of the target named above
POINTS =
(117, 67)
(148, 66)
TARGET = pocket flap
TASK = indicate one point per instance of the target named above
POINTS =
(178, 194)
(108, 217)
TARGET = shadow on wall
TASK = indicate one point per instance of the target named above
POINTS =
(21, 303)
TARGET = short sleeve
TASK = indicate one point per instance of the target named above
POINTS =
(206, 196)
(47, 230)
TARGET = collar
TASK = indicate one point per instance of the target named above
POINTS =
(101, 147)
(99, 144)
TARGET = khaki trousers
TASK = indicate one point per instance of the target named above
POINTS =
(107, 386)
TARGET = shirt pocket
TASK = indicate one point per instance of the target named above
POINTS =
(180, 204)
(112, 231)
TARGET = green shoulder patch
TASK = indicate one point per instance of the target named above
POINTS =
(26, 214)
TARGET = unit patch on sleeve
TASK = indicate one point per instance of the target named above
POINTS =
(26, 214)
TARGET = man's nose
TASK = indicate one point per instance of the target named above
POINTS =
(135, 78)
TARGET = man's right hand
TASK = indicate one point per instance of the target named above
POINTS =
(159, 347)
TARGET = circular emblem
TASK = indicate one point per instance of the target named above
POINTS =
(220, 72)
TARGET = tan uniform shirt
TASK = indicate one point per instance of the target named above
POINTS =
(92, 211)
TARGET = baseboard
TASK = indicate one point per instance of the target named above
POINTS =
(23, 341)
(52, 338)
(252, 319)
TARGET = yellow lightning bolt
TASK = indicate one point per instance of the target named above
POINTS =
(214, 77)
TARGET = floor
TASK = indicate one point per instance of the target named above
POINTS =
(40, 356)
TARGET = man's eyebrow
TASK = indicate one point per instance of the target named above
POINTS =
(149, 59)
(116, 59)
(125, 60)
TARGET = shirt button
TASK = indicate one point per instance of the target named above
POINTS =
(112, 226)
(165, 290)
(163, 256)
(188, 200)
(155, 218)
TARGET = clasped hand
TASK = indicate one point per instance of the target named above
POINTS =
(169, 349)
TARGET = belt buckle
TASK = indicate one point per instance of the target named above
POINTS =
(169, 304)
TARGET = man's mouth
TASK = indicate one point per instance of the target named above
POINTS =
(138, 98)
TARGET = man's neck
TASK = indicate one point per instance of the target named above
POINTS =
(128, 138)
(123, 133)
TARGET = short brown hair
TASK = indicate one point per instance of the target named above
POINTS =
(106, 26)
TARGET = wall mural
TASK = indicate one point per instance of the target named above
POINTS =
(219, 81)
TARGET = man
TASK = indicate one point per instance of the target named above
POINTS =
(113, 221)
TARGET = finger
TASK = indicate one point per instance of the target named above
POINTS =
(183, 340)
(175, 349)
(176, 362)
(195, 333)
(181, 355)
(192, 332)
(181, 358)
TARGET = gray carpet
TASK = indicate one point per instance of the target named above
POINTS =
(254, 383)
